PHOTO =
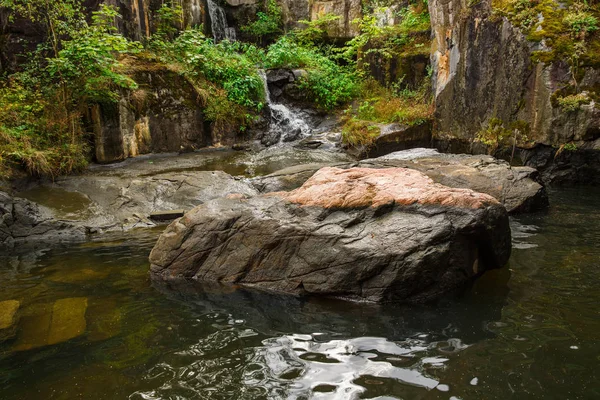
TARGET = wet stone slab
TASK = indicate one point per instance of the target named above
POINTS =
(49, 324)
(9, 316)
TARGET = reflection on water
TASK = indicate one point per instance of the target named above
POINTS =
(91, 325)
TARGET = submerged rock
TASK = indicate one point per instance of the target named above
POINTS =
(9, 316)
(49, 324)
(68, 319)
(361, 233)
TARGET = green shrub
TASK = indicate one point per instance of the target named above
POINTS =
(327, 83)
(268, 22)
(573, 102)
(357, 133)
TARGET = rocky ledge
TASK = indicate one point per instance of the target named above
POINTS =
(360, 233)
(517, 188)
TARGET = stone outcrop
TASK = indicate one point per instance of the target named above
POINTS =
(395, 137)
(362, 233)
(23, 220)
(566, 166)
(163, 115)
(109, 198)
(484, 70)
(517, 188)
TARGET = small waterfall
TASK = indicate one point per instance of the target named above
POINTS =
(285, 124)
(218, 20)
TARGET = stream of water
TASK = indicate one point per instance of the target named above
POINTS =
(220, 29)
(285, 124)
(93, 326)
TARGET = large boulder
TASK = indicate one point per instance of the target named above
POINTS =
(360, 233)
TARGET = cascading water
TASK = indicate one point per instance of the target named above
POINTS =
(218, 20)
(285, 124)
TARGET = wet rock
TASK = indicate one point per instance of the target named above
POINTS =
(293, 134)
(34, 327)
(364, 234)
(76, 275)
(9, 316)
(22, 220)
(271, 137)
(49, 324)
(125, 200)
(280, 75)
(68, 319)
(560, 166)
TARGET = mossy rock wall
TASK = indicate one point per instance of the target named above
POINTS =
(165, 114)
(484, 70)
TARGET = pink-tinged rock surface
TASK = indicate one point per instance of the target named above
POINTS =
(365, 187)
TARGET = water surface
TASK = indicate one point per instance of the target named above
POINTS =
(93, 326)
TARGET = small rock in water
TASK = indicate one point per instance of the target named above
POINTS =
(443, 388)
(68, 319)
(474, 381)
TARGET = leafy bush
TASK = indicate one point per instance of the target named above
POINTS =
(41, 107)
(224, 73)
(327, 83)
(573, 103)
(357, 133)
(268, 22)
(316, 31)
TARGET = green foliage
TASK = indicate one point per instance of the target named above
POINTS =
(580, 22)
(568, 30)
(410, 36)
(225, 75)
(268, 22)
(327, 83)
(41, 106)
(169, 20)
(570, 146)
(496, 135)
(573, 102)
(221, 63)
(316, 31)
(87, 63)
(59, 18)
(386, 105)
(357, 133)
(35, 130)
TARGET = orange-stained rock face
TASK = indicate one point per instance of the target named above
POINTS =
(365, 187)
